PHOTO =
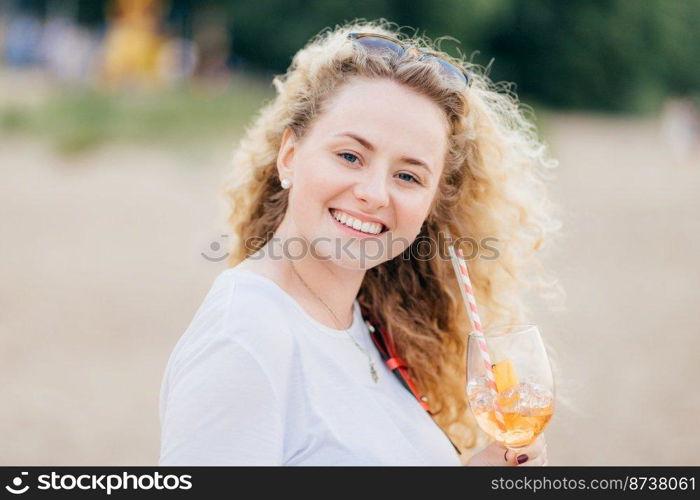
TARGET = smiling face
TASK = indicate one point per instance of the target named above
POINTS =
(373, 159)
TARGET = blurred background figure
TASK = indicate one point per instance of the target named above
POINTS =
(212, 37)
(138, 52)
(21, 40)
(69, 52)
(133, 45)
(680, 126)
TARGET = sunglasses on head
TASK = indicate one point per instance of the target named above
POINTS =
(374, 41)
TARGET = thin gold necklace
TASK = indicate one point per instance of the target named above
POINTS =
(372, 369)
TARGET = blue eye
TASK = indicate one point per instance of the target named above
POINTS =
(352, 158)
(410, 177)
(345, 155)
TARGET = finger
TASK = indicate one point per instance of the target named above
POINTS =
(510, 456)
(535, 462)
(516, 457)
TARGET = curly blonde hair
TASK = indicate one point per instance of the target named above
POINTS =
(491, 187)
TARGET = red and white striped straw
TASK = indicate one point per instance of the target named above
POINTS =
(460, 267)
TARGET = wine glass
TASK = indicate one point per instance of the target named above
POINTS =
(518, 408)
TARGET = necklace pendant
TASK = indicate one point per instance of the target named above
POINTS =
(375, 377)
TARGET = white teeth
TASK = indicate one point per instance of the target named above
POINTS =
(371, 227)
(365, 227)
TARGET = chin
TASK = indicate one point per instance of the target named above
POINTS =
(359, 255)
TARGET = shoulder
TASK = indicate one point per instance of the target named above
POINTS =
(224, 392)
(257, 315)
(245, 310)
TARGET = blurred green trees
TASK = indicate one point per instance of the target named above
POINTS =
(599, 54)
(605, 54)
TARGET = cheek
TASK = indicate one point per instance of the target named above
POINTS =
(315, 184)
(318, 181)
(410, 215)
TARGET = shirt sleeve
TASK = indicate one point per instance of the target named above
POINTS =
(221, 409)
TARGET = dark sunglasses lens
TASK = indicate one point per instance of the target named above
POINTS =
(373, 42)
(376, 42)
(451, 70)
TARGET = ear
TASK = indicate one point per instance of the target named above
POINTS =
(285, 154)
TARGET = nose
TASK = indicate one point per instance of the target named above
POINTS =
(372, 189)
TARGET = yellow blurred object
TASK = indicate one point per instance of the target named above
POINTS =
(133, 45)
(504, 373)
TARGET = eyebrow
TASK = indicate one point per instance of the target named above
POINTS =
(368, 145)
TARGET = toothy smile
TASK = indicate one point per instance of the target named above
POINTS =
(364, 226)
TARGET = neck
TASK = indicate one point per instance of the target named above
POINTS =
(329, 283)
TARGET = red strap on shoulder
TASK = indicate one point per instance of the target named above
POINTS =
(392, 361)
(386, 348)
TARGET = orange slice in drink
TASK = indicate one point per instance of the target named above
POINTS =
(504, 373)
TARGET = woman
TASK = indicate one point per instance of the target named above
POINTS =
(372, 148)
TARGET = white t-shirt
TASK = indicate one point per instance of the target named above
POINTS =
(255, 380)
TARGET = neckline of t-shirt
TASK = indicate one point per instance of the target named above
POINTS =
(356, 317)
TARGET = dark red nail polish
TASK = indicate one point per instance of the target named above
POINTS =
(522, 459)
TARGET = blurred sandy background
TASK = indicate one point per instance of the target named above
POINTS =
(101, 272)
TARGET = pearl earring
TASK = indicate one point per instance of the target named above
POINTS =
(286, 183)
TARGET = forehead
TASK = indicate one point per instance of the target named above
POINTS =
(389, 115)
